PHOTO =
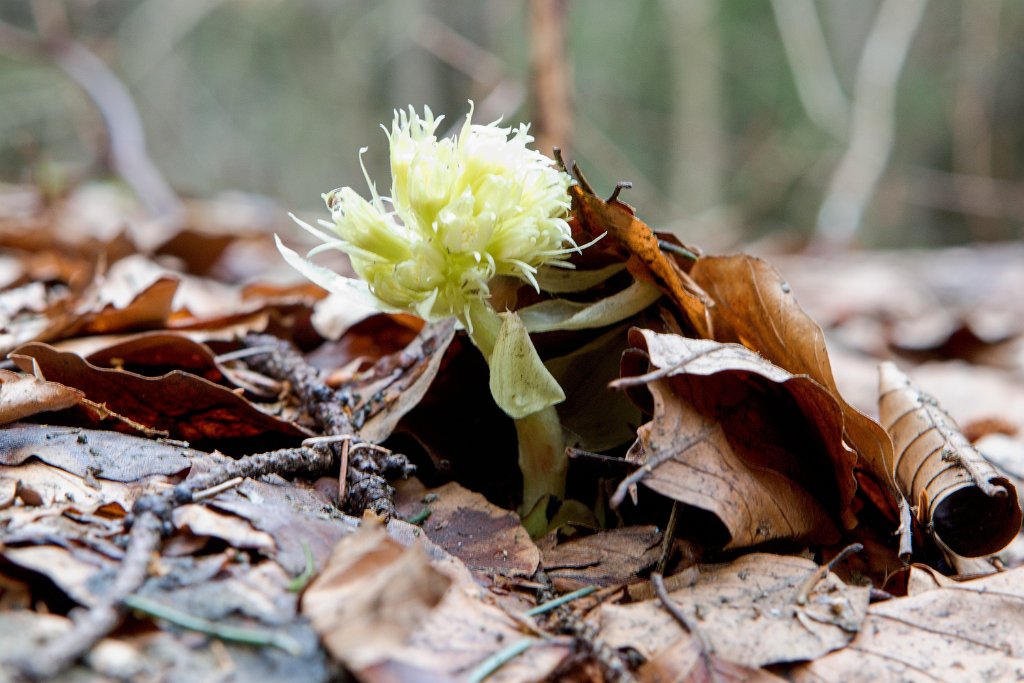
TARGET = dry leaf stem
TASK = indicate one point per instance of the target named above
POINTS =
(818, 574)
(681, 617)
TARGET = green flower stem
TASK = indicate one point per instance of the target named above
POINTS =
(483, 324)
(542, 457)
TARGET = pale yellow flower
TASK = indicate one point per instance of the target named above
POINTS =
(462, 210)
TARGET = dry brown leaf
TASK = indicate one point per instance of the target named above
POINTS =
(101, 454)
(755, 307)
(201, 520)
(487, 538)
(406, 376)
(685, 662)
(748, 611)
(606, 558)
(187, 407)
(737, 436)
(650, 262)
(967, 632)
(372, 594)
(73, 571)
(40, 485)
(299, 519)
(22, 395)
(971, 508)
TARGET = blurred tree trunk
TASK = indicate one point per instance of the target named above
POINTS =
(552, 105)
(697, 150)
(972, 113)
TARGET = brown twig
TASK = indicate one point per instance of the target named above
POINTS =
(667, 536)
(653, 463)
(683, 619)
(906, 530)
(368, 466)
(149, 520)
(818, 574)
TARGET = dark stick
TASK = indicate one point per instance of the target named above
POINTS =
(366, 482)
(149, 521)
(102, 618)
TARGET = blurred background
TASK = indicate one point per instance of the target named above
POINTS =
(834, 123)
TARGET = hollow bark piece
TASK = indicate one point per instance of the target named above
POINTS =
(971, 507)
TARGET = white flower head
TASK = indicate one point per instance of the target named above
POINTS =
(462, 210)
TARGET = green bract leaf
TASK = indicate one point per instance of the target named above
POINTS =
(562, 280)
(520, 383)
(560, 314)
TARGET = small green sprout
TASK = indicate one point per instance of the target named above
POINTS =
(463, 211)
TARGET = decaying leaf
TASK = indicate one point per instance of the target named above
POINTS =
(82, 574)
(607, 558)
(489, 539)
(741, 438)
(22, 395)
(755, 307)
(967, 632)
(98, 453)
(188, 407)
(972, 508)
(650, 262)
(686, 662)
(749, 611)
(299, 520)
(42, 486)
(371, 595)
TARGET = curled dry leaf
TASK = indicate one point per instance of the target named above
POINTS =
(972, 508)
(755, 307)
(649, 261)
(23, 395)
(961, 633)
(685, 661)
(748, 611)
(737, 436)
(187, 407)
(405, 377)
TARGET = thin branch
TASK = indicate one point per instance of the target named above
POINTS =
(855, 180)
(804, 592)
(151, 515)
(103, 617)
(681, 617)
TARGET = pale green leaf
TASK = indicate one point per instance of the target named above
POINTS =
(562, 280)
(520, 383)
(560, 314)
